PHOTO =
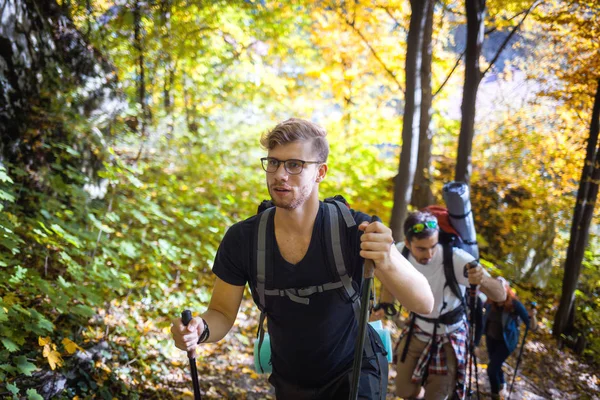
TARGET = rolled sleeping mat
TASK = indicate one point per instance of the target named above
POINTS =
(265, 351)
(457, 198)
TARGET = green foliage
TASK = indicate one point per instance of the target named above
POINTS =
(106, 234)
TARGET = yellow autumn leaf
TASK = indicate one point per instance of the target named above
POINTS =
(10, 299)
(71, 346)
(54, 359)
(47, 350)
(44, 341)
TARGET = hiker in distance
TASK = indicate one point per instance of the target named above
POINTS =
(303, 262)
(501, 328)
(432, 353)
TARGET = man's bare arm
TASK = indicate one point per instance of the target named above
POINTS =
(402, 281)
(492, 288)
(220, 317)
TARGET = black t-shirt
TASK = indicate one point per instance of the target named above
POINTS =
(310, 344)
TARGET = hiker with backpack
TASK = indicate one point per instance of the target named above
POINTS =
(501, 327)
(432, 352)
(303, 260)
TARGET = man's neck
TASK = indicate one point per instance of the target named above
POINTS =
(299, 220)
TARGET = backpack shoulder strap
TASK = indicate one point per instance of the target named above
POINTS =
(334, 246)
(449, 273)
(342, 206)
(261, 257)
(261, 272)
(405, 252)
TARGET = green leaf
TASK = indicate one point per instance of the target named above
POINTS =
(62, 283)
(8, 368)
(45, 213)
(48, 231)
(65, 235)
(128, 249)
(83, 310)
(32, 394)
(140, 217)
(9, 344)
(24, 366)
(4, 177)
(41, 325)
(12, 388)
(20, 273)
(17, 307)
(6, 196)
(99, 225)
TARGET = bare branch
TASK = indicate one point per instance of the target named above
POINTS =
(450, 74)
(366, 42)
(512, 33)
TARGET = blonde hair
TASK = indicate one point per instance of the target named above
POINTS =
(296, 129)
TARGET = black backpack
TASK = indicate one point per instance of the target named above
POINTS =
(338, 220)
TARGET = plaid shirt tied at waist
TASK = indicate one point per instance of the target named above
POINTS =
(438, 363)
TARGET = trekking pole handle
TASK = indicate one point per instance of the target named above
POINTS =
(186, 318)
(472, 264)
(369, 270)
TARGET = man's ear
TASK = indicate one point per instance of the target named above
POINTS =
(321, 173)
(406, 243)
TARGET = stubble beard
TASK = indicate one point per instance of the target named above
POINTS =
(294, 202)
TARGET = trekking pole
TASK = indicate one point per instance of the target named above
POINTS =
(186, 317)
(518, 359)
(368, 272)
(472, 356)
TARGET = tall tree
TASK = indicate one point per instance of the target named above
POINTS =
(412, 113)
(476, 10)
(169, 75)
(422, 194)
(475, 32)
(582, 217)
(141, 80)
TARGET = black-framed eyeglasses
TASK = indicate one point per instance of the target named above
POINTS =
(420, 227)
(292, 166)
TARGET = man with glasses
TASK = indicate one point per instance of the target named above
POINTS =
(433, 348)
(312, 332)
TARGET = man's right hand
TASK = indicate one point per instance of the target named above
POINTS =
(186, 337)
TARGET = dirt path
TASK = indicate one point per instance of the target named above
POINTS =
(226, 369)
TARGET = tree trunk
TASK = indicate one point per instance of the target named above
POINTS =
(475, 31)
(169, 69)
(189, 105)
(410, 124)
(422, 195)
(139, 48)
(582, 218)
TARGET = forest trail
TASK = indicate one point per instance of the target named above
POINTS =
(226, 369)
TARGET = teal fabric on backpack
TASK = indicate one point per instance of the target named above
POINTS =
(262, 354)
